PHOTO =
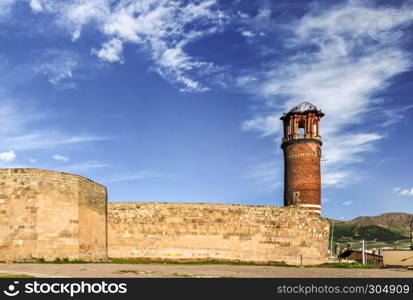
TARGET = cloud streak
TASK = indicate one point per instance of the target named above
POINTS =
(134, 176)
(16, 131)
(161, 29)
(6, 6)
(404, 192)
(83, 166)
(7, 156)
(341, 71)
(60, 157)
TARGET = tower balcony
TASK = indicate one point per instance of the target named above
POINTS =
(300, 137)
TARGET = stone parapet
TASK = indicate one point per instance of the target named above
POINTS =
(201, 232)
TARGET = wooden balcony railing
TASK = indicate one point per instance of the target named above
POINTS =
(299, 137)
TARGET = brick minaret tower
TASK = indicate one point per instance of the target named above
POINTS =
(302, 152)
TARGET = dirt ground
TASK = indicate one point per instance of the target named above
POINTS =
(189, 271)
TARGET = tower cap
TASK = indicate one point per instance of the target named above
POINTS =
(303, 108)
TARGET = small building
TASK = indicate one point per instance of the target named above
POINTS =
(357, 255)
(398, 258)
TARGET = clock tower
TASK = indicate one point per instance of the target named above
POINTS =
(301, 145)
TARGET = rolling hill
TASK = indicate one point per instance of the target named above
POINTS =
(395, 220)
(386, 230)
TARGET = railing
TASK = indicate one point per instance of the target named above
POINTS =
(299, 137)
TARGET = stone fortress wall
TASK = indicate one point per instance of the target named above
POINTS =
(47, 214)
(193, 232)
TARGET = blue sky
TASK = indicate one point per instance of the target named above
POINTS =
(179, 101)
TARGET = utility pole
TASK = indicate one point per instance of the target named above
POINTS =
(332, 235)
(331, 242)
(363, 250)
(411, 234)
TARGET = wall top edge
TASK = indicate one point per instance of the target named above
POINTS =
(195, 204)
(37, 170)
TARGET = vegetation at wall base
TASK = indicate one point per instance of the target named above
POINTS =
(354, 265)
(16, 276)
(66, 260)
(206, 262)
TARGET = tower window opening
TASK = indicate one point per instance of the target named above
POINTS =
(301, 127)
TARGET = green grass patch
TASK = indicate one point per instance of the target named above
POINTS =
(63, 260)
(127, 271)
(135, 272)
(354, 265)
(369, 233)
(146, 261)
(195, 263)
(184, 275)
(374, 235)
(69, 261)
(206, 262)
(16, 276)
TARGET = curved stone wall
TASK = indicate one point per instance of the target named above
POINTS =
(47, 214)
(195, 232)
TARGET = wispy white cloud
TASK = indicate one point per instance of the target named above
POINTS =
(58, 66)
(394, 115)
(342, 69)
(267, 124)
(347, 203)
(135, 176)
(247, 33)
(60, 157)
(8, 156)
(111, 51)
(337, 178)
(162, 29)
(19, 130)
(44, 139)
(83, 166)
(5, 6)
(36, 5)
(80, 139)
(267, 173)
(404, 192)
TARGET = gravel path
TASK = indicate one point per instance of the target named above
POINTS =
(189, 271)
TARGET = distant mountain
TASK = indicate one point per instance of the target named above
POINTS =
(395, 220)
(389, 229)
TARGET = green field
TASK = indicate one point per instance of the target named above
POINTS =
(375, 236)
